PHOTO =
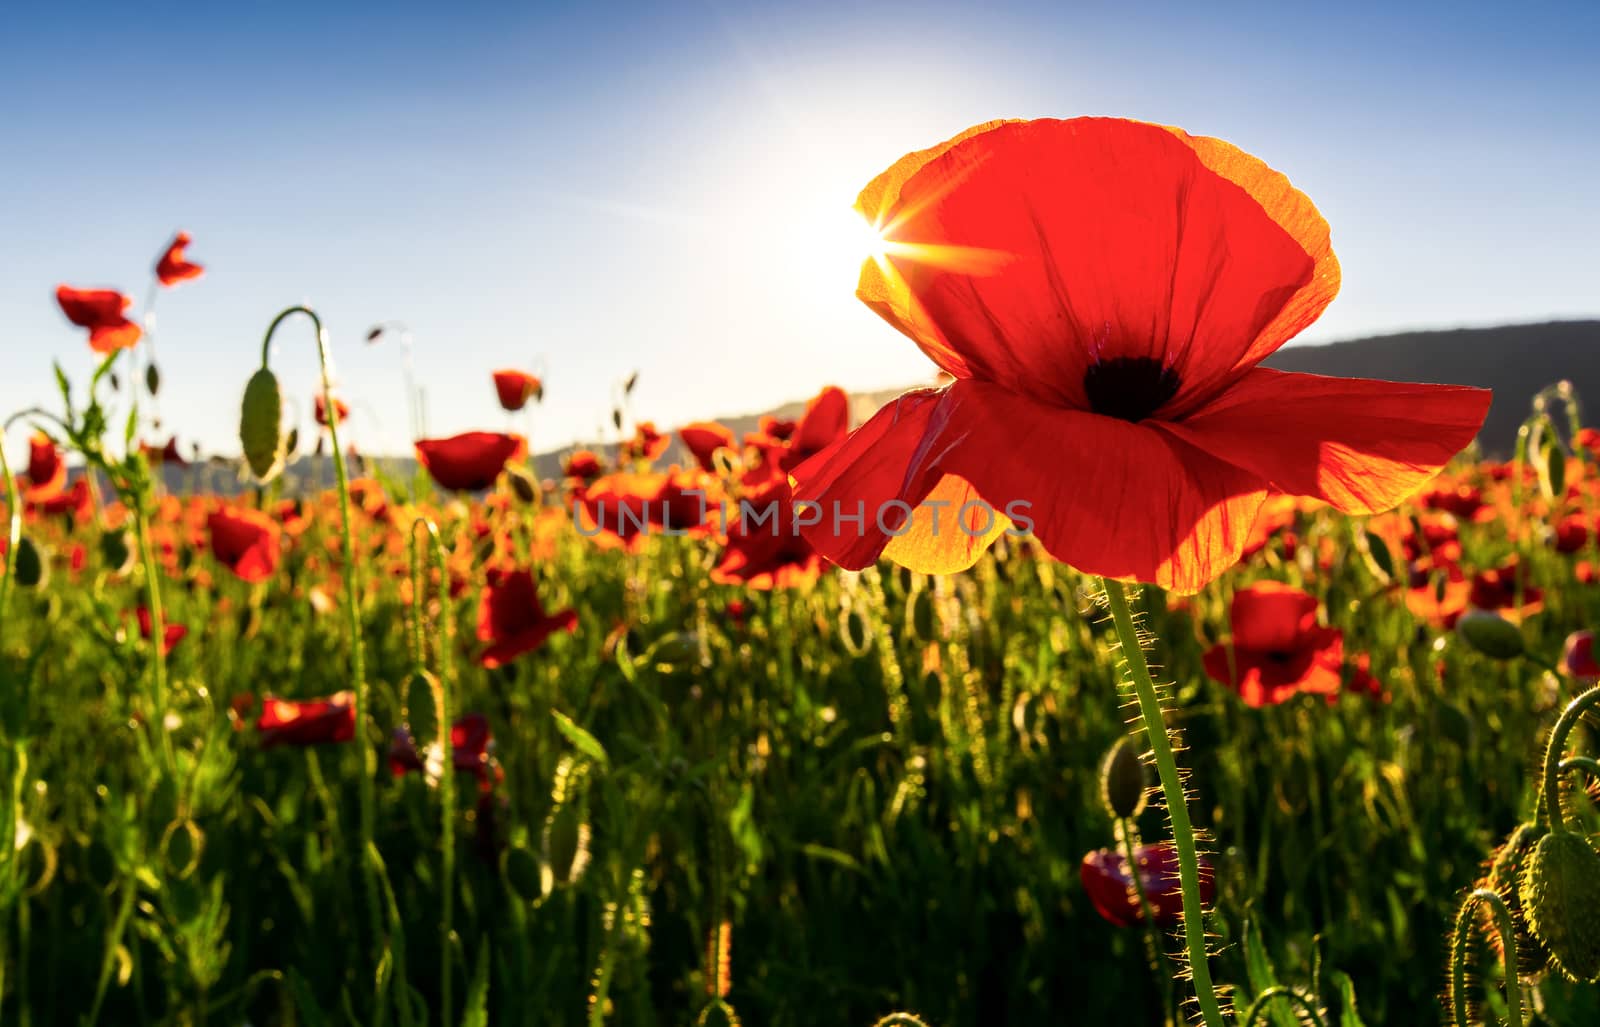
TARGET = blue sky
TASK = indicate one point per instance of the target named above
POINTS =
(597, 189)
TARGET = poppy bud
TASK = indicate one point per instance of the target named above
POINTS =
(1123, 784)
(1382, 558)
(922, 620)
(116, 551)
(523, 484)
(1491, 634)
(373, 334)
(673, 650)
(1560, 896)
(566, 843)
(260, 426)
(115, 380)
(526, 875)
(31, 567)
(152, 379)
(854, 630)
(422, 693)
(1505, 870)
(1553, 478)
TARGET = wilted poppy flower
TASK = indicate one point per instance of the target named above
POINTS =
(47, 471)
(703, 439)
(174, 266)
(647, 444)
(244, 541)
(1577, 656)
(309, 722)
(583, 465)
(516, 388)
(472, 461)
(319, 407)
(511, 619)
(103, 312)
(172, 633)
(1108, 880)
(1277, 649)
(766, 549)
(1102, 292)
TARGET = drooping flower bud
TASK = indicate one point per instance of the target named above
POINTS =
(1491, 634)
(32, 569)
(1505, 874)
(261, 426)
(1560, 896)
(1123, 781)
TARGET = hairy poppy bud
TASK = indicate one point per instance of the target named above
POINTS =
(1560, 896)
(1123, 783)
(31, 567)
(260, 426)
(1505, 871)
(1491, 634)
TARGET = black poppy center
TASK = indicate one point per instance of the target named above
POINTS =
(1129, 388)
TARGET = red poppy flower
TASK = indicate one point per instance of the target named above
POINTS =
(779, 428)
(1589, 439)
(1108, 879)
(470, 743)
(1102, 292)
(1462, 500)
(319, 409)
(583, 465)
(703, 439)
(516, 388)
(472, 461)
(647, 444)
(1577, 656)
(172, 635)
(825, 422)
(1277, 648)
(174, 266)
(244, 541)
(511, 619)
(1572, 533)
(1497, 589)
(1438, 595)
(76, 501)
(103, 312)
(47, 471)
(619, 509)
(766, 549)
(309, 722)
(167, 454)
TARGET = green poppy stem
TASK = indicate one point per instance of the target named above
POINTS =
(447, 784)
(1277, 993)
(1194, 928)
(1555, 748)
(352, 607)
(13, 532)
(1458, 956)
(158, 625)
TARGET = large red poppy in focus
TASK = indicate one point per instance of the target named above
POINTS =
(245, 541)
(472, 461)
(1102, 292)
(513, 621)
(104, 313)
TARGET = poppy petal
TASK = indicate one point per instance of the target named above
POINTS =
(1361, 445)
(1106, 496)
(1044, 248)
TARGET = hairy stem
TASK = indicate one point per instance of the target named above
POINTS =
(1194, 928)
(447, 785)
(1458, 955)
(1555, 747)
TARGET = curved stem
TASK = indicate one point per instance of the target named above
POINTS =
(1278, 991)
(1458, 955)
(352, 606)
(13, 532)
(1194, 928)
(447, 784)
(158, 625)
(1158, 955)
(1555, 747)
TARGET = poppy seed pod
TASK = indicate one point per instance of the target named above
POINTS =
(1491, 634)
(1560, 896)
(1123, 782)
(260, 425)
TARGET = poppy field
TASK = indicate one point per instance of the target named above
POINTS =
(1115, 679)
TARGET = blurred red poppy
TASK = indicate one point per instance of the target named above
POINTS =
(75, 500)
(1462, 500)
(470, 743)
(1277, 648)
(47, 471)
(620, 509)
(244, 541)
(308, 722)
(174, 266)
(1102, 292)
(167, 454)
(766, 550)
(472, 461)
(172, 633)
(511, 619)
(779, 428)
(1578, 657)
(319, 409)
(583, 465)
(703, 439)
(1108, 880)
(647, 444)
(1437, 595)
(1498, 589)
(516, 388)
(103, 312)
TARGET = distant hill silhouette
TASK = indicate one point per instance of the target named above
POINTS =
(1516, 361)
